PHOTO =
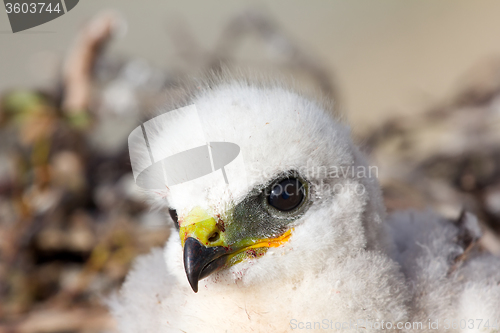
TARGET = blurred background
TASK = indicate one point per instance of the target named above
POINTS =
(419, 82)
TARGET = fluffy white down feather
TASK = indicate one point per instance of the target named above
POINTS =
(345, 260)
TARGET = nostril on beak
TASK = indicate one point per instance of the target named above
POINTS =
(214, 237)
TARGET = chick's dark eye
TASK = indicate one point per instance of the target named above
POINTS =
(175, 218)
(286, 195)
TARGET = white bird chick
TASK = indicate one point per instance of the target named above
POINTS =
(303, 242)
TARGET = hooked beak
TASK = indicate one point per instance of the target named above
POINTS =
(201, 261)
(206, 249)
(204, 244)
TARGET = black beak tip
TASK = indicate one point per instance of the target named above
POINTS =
(192, 251)
(201, 261)
(194, 285)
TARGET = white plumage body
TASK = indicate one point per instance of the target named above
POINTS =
(345, 262)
